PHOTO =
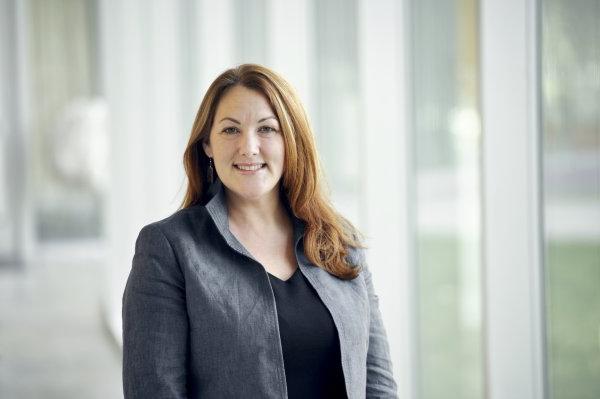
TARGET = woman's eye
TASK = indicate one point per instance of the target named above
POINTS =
(230, 130)
(266, 129)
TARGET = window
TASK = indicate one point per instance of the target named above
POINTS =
(336, 119)
(571, 168)
(447, 147)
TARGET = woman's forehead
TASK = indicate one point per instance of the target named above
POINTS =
(243, 102)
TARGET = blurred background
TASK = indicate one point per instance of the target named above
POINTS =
(97, 99)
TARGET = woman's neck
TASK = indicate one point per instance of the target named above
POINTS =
(261, 216)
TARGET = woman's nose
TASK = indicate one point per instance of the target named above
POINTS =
(249, 144)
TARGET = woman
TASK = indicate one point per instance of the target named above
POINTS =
(257, 288)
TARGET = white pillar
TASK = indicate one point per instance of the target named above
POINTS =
(8, 210)
(387, 151)
(215, 40)
(289, 43)
(513, 276)
(15, 107)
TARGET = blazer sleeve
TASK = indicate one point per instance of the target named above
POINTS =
(155, 321)
(380, 378)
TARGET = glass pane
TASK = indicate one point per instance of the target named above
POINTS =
(447, 144)
(571, 162)
(68, 124)
(335, 93)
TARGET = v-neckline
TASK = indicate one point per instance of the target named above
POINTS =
(288, 279)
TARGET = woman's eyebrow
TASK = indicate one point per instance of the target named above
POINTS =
(236, 121)
(231, 119)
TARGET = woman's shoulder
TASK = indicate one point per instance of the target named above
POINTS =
(183, 222)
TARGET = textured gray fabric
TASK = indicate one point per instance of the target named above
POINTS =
(200, 320)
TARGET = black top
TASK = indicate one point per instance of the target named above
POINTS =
(309, 339)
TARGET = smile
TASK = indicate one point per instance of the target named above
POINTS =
(249, 167)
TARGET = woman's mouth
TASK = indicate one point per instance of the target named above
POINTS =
(250, 168)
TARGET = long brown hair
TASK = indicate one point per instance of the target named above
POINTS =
(328, 235)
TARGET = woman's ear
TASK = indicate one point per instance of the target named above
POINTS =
(207, 149)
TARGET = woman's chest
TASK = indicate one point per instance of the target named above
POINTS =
(275, 254)
(230, 300)
(234, 332)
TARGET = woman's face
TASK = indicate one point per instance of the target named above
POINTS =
(246, 144)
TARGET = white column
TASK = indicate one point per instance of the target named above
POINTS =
(143, 79)
(289, 43)
(387, 170)
(216, 39)
(124, 81)
(513, 276)
(22, 142)
(8, 210)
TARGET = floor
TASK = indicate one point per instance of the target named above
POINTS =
(53, 343)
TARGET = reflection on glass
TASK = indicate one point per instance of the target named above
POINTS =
(447, 144)
(571, 162)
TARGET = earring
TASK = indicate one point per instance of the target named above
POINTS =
(210, 171)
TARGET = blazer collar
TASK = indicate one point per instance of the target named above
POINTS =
(217, 209)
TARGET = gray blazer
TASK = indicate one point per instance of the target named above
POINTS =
(200, 321)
